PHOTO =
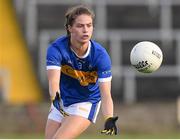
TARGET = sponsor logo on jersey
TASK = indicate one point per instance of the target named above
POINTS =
(106, 72)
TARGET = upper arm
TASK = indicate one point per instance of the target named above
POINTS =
(104, 74)
(53, 66)
(53, 63)
(53, 58)
(104, 67)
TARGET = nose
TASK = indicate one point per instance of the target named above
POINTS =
(85, 29)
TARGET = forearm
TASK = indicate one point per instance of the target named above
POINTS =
(53, 78)
(107, 107)
(107, 110)
(53, 88)
(106, 99)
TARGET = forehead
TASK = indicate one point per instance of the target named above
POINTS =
(83, 19)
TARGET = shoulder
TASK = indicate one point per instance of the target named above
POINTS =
(61, 40)
(59, 44)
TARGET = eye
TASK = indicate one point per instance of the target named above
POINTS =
(79, 25)
(89, 25)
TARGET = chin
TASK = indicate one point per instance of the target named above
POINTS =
(84, 41)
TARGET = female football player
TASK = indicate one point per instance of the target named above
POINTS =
(79, 76)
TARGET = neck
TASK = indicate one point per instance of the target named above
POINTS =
(79, 48)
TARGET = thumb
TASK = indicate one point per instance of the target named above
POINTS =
(115, 118)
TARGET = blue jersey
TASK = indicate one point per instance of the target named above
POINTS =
(79, 75)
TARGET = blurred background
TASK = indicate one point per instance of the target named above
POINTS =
(147, 104)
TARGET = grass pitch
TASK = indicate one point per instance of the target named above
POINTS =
(135, 135)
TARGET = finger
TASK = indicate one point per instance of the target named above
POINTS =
(63, 112)
(115, 131)
(112, 132)
(115, 118)
(108, 132)
(103, 131)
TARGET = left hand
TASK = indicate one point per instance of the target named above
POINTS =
(110, 126)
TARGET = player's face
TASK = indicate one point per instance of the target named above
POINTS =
(82, 28)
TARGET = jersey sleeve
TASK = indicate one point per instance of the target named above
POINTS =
(53, 58)
(104, 67)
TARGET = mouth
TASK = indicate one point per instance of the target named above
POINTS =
(85, 36)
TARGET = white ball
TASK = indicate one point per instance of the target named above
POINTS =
(146, 57)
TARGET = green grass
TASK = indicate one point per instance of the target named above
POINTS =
(21, 136)
(135, 135)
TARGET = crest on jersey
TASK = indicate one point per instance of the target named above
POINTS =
(80, 65)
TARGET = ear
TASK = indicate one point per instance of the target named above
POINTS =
(69, 28)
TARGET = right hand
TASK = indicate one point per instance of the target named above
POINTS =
(56, 101)
(57, 104)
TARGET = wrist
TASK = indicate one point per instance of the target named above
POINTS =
(107, 117)
(53, 96)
